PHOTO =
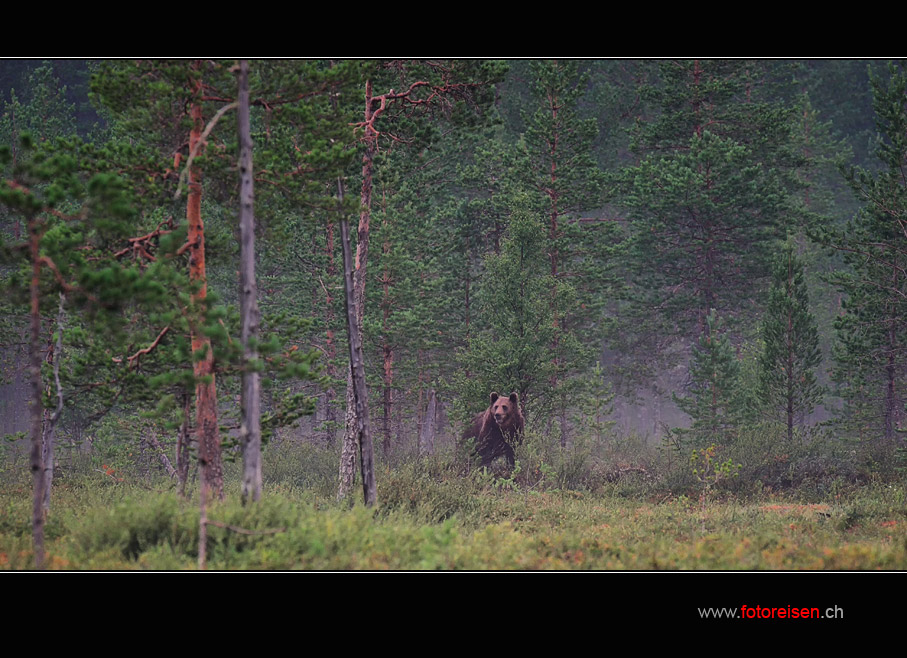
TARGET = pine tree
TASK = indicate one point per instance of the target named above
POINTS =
(870, 354)
(405, 317)
(706, 200)
(172, 112)
(791, 344)
(399, 95)
(71, 212)
(40, 113)
(550, 166)
(179, 103)
(558, 145)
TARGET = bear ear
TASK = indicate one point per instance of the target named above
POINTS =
(494, 396)
(514, 398)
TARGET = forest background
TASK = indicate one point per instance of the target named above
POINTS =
(691, 272)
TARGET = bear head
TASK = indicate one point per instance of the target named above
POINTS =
(505, 410)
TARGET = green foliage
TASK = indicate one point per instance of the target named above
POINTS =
(713, 404)
(548, 170)
(869, 368)
(513, 352)
(302, 130)
(43, 113)
(709, 471)
(590, 405)
(791, 343)
(135, 526)
(703, 226)
(75, 212)
(407, 318)
(546, 466)
(558, 141)
(706, 201)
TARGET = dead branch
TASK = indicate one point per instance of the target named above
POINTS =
(140, 245)
(184, 174)
(162, 455)
(144, 350)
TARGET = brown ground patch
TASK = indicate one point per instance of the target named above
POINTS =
(783, 509)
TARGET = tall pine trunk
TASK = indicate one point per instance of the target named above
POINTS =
(250, 430)
(207, 433)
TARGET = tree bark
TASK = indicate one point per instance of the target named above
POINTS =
(51, 417)
(37, 390)
(207, 433)
(358, 413)
(356, 295)
(892, 405)
(554, 212)
(250, 429)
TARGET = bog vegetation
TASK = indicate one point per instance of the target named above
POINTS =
(249, 308)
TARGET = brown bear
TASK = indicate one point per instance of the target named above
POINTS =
(497, 429)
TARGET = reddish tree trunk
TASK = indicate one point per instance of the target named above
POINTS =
(207, 434)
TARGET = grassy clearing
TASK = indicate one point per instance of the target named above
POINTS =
(432, 517)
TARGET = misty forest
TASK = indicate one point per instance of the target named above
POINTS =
(453, 314)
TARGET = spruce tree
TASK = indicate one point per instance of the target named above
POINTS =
(713, 402)
(791, 344)
(514, 348)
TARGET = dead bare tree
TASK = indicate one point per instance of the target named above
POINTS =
(250, 429)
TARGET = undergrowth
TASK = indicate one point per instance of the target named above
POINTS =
(620, 505)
